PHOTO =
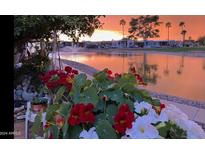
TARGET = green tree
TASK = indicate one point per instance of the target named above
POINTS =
(27, 28)
(201, 40)
(144, 27)
(168, 25)
(122, 23)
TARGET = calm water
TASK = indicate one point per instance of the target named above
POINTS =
(170, 74)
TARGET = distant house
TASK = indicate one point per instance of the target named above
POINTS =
(124, 43)
(65, 43)
(159, 43)
(190, 43)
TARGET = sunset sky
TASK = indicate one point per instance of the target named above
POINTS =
(195, 26)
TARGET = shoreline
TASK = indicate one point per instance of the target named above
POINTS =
(196, 53)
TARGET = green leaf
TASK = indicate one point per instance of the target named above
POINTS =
(74, 132)
(64, 109)
(55, 131)
(129, 88)
(88, 96)
(171, 130)
(163, 129)
(37, 124)
(105, 130)
(50, 111)
(80, 80)
(111, 111)
(100, 117)
(114, 95)
(65, 129)
(125, 79)
(100, 76)
(100, 106)
(60, 93)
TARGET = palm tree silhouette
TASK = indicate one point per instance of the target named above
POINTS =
(122, 23)
(182, 25)
(184, 35)
(168, 25)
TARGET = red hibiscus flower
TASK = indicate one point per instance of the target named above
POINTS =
(68, 69)
(74, 118)
(123, 119)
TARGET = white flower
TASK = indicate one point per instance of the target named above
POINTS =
(154, 117)
(91, 134)
(141, 106)
(142, 129)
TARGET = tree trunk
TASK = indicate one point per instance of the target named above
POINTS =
(168, 34)
(43, 48)
(123, 30)
(54, 41)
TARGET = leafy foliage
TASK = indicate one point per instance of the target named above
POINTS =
(105, 130)
(144, 27)
(171, 131)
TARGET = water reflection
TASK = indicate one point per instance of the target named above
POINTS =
(203, 65)
(166, 70)
(146, 70)
(181, 66)
(175, 75)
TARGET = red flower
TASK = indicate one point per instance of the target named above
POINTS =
(162, 106)
(123, 119)
(81, 113)
(86, 114)
(117, 75)
(140, 80)
(68, 69)
(109, 72)
(52, 84)
(74, 118)
(132, 69)
(74, 72)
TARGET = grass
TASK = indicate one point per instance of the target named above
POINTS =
(184, 49)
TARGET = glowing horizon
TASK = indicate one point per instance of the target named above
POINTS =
(98, 35)
(112, 30)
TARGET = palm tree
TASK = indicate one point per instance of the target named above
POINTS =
(182, 25)
(183, 34)
(168, 25)
(122, 23)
